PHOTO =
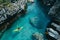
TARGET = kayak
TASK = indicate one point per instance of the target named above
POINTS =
(18, 29)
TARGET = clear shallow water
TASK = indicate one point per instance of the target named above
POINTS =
(27, 31)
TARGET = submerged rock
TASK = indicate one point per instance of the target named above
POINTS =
(35, 22)
(38, 36)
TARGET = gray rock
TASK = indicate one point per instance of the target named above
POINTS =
(11, 9)
(55, 11)
(49, 2)
(53, 33)
(38, 36)
(56, 25)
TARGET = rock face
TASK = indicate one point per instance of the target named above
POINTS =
(53, 31)
(9, 9)
(48, 2)
(55, 11)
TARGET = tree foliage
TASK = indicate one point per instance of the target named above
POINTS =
(4, 1)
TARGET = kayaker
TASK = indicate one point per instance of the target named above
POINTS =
(18, 29)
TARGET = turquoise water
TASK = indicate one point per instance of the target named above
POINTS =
(27, 31)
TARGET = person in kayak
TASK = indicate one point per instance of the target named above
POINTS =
(18, 29)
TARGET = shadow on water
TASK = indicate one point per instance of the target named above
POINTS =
(1, 35)
(23, 15)
(43, 7)
(33, 38)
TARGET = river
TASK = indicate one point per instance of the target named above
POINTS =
(33, 10)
